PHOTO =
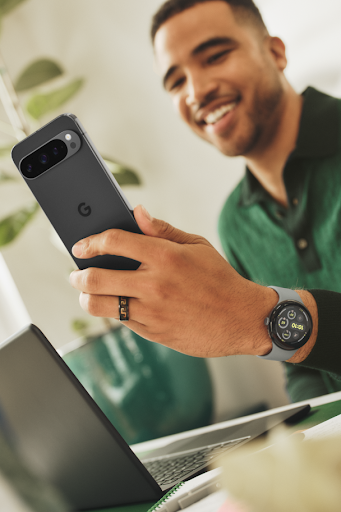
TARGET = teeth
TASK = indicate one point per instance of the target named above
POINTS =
(217, 114)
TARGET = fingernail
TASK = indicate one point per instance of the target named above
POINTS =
(77, 249)
(145, 213)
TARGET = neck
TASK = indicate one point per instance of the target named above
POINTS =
(267, 161)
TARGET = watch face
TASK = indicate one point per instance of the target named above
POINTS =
(290, 325)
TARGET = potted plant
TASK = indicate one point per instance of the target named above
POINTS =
(145, 389)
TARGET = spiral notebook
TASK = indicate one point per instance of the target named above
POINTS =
(185, 494)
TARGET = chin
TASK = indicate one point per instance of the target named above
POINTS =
(229, 149)
(241, 146)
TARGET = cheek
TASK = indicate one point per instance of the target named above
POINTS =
(241, 73)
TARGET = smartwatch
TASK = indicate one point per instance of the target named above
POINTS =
(289, 325)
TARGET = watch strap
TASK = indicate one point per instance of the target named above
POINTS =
(286, 294)
(277, 353)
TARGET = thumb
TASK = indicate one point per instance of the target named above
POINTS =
(161, 229)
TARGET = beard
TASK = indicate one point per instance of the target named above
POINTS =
(260, 122)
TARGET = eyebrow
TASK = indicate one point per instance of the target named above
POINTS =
(214, 41)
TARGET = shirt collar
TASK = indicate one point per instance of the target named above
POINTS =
(318, 137)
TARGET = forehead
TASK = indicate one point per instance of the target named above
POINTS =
(180, 35)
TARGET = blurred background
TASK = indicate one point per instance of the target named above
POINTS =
(104, 51)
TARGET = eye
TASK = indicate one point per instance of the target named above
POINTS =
(217, 56)
(177, 83)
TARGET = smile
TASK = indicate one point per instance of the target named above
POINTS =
(216, 115)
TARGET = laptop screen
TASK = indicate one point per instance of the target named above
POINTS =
(59, 431)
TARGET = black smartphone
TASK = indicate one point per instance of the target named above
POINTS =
(74, 187)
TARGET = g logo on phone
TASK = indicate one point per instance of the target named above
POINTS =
(84, 210)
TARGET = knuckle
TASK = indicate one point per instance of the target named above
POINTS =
(91, 280)
(163, 227)
(83, 301)
(91, 304)
(109, 239)
(169, 232)
(86, 245)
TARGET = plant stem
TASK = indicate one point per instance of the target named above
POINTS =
(10, 101)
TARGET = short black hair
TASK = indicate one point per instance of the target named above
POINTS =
(170, 8)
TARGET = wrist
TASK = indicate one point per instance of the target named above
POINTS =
(265, 300)
(310, 304)
(304, 351)
(244, 332)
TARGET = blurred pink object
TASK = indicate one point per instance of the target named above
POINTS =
(233, 506)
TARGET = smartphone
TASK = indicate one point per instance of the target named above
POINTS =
(74, 187)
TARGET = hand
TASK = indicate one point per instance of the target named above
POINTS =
(184, 295)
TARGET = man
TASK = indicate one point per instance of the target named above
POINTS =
(225, 75)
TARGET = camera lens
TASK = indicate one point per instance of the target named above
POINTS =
(43, 158)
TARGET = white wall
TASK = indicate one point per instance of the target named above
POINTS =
(130, 118)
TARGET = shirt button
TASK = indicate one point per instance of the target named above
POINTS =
(295, 201)
(302, 244)
(279, 214)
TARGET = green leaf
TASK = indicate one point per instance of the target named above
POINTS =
(5, 151)
(6, 177)
(37, 73)
(40, 104)
(122, 174)
(127, 177)
(80, 326)
(11, 226)
(7, 5)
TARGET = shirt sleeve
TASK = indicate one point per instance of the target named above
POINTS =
(304, 383)
(326, 354)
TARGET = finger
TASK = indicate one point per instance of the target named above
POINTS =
(100, 281)
(106, 306)
(120, 243)
(139, 319)
(161, 229)
(132, 245)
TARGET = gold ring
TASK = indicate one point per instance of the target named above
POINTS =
(123, 308)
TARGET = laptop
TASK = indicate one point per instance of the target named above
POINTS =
(63, 436)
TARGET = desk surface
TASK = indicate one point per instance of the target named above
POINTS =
(323, 408)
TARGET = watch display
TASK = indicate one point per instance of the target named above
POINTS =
(290, 325)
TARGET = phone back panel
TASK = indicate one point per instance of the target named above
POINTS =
(80, 179)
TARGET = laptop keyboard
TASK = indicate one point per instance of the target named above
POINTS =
(172, 468)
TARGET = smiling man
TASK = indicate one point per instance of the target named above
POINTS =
(221, 79)
(225, 76)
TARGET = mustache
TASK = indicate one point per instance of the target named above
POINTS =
(209, 98)
(212, 97)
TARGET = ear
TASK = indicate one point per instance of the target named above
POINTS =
(277, 49)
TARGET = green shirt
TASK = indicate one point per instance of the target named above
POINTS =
(297, 247)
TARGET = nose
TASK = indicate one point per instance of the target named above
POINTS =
(199, 88)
